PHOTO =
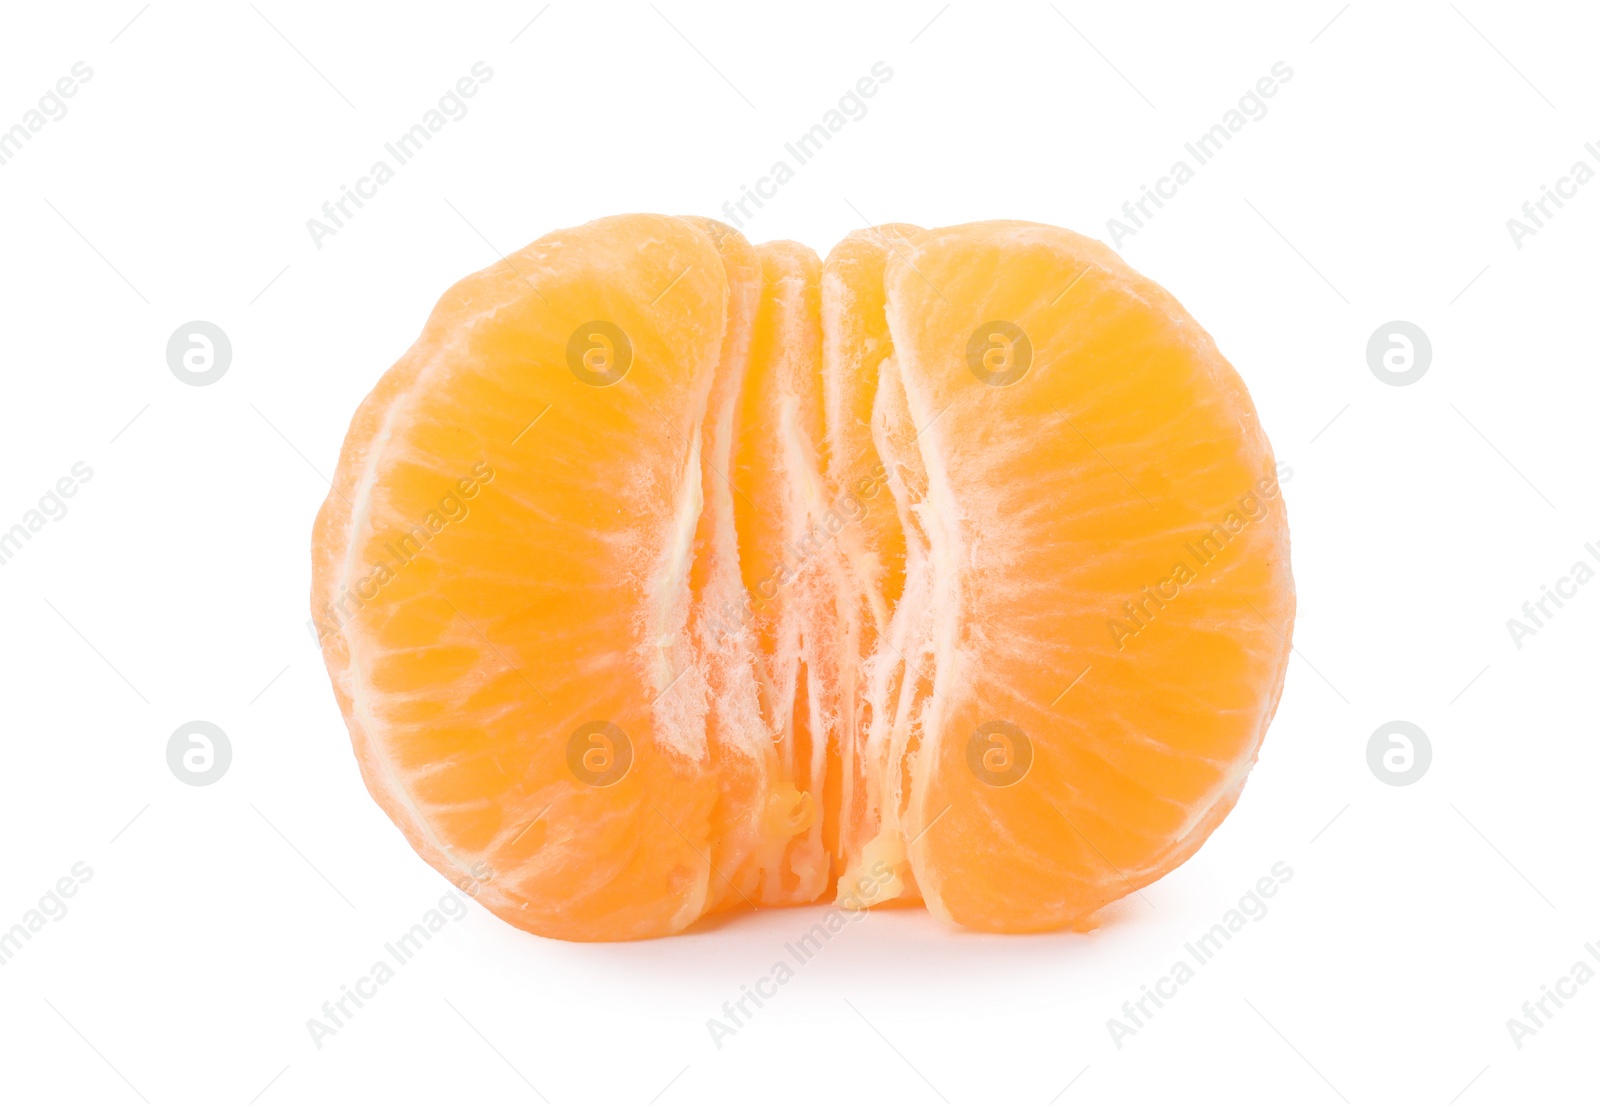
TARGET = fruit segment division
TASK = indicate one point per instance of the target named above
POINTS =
(668, 574)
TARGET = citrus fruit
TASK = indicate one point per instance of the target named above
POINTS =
(666, 574)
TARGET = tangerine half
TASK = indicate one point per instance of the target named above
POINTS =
(667, 574)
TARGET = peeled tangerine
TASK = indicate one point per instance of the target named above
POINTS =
(667, 574)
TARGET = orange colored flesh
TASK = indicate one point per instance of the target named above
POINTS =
(799, 606)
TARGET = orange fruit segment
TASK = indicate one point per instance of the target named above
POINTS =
(874, 481)
(778, 489)
(666, 574)
(1107, 568)
(508, 546)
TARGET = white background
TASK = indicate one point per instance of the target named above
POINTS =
(218, 921)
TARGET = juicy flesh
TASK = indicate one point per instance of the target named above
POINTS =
(795, 556)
